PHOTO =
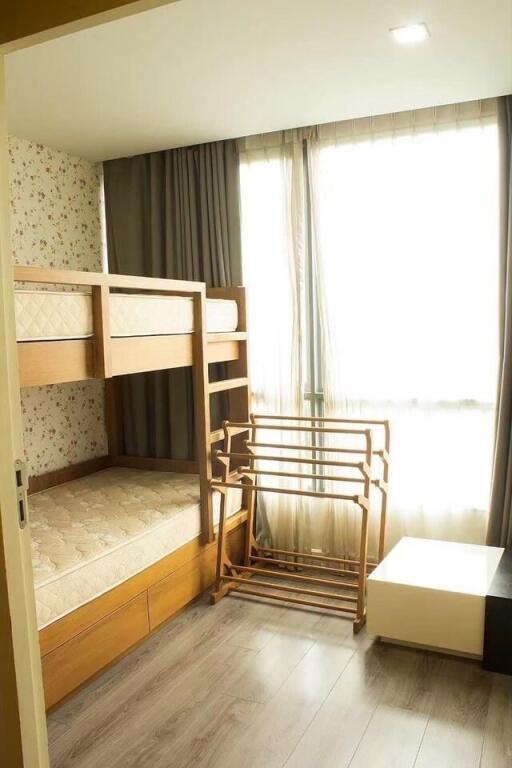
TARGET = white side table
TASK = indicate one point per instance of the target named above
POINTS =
(432, 593)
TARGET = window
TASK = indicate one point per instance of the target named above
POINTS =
(408, 247)
(374, 259)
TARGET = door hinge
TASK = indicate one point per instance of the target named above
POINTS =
(20, 470)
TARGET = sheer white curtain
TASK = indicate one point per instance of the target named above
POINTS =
(404, 217)
(272, 214)
(405, 212)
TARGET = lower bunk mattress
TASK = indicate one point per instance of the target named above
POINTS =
(91, 534)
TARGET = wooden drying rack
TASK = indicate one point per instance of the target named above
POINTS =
(347, 597)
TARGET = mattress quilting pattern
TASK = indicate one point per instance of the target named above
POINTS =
(51, 315)
(93, 533)
(136, 315)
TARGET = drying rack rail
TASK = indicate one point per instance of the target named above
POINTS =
(337, 584)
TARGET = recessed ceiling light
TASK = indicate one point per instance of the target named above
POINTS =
(412, 33)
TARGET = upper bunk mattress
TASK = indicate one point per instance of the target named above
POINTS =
(91, 534)
(52, 315)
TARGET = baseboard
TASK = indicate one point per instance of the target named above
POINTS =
(39, 483)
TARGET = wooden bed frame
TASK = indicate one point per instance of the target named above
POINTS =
(78, 646)
(105, 357)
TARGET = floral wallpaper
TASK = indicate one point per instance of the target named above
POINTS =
(55, 212)
(63, 424)
(55, 222)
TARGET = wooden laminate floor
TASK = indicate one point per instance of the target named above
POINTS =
(249, 684)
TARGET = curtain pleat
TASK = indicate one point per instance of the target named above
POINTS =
(499, 531)
(273, 232)
(172, 214)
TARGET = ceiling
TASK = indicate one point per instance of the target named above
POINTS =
(201, 70)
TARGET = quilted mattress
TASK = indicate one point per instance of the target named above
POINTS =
(91, 534)
(51, 315)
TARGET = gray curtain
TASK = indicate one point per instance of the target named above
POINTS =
(499, 532)
(172, 214)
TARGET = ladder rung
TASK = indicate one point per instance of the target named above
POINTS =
(214, 338)
(222, 386)
(218, 434)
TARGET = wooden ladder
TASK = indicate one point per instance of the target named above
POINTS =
(236, 385)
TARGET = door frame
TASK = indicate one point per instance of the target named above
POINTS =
(22, 713)
(21, 665)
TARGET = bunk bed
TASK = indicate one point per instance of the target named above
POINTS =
(121, 543)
